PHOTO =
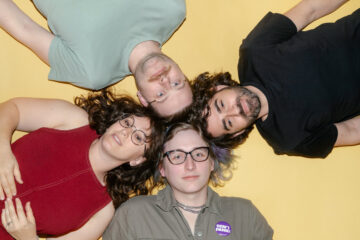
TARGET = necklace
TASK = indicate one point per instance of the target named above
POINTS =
(191, 209)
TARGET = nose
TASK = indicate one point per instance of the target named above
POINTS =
(126, 132)
(165, 81)
(189, 163)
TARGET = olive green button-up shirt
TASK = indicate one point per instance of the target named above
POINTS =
(158, 217)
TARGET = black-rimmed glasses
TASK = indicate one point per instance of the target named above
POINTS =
(178, 156)
(138, 137)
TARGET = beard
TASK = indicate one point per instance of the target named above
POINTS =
(252, 101)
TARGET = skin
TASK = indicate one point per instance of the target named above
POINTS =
(162, 85)
(111, 150)
(188, 180)
(143, 57)
(232, 110)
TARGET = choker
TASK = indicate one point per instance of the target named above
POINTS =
(191, 209)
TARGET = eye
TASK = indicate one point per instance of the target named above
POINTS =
(160, 94)
(126, 122)
(222, 104)
(230, 123)
(175, 84)
(200, 154)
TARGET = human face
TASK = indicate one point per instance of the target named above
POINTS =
(232, 109)
(162, 84)
(123, 140)
(189, 177)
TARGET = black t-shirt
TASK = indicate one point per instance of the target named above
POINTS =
(311, 80)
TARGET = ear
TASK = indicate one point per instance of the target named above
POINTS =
(219, 87)
(162, 170)
(238, 133)
(137, 161)
(142, 99)
(212, 165)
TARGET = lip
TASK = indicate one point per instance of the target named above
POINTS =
(156, 74)
(190, 178)
(245, 106)
(117, 139)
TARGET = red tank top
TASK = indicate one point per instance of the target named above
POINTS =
(58, 179)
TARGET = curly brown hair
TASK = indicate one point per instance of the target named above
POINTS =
(104, 109)
(204, 88)
(222, 157)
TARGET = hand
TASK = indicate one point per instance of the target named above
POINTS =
(16, 223)
(9, 169)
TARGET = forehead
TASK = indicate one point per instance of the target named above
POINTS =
(142, 123)
(185, 140)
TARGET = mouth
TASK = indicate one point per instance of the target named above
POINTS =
(157, 74)
(190, 178)
(117, 139)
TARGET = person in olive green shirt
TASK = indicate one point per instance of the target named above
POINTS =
(187, 208)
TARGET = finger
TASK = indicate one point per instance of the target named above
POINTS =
(11, 182)
(17, 174)
(20, 210)
(5, 185)
(29, 213)
(2, 195)
(12, 213)
(3, 218)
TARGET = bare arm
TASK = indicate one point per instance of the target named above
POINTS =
(22, 28)
(29, 114)
(348, 132)
(92, 229)
(307, 11)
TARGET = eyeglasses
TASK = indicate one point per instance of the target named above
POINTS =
(178, 156)
(138, 137)
(161, 96)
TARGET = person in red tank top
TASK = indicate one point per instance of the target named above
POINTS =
(75, 160)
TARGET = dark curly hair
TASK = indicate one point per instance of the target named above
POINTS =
(222, 157)
(204, 88)
(104, 109)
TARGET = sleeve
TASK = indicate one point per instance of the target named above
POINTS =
(261, 229)
(344, 31)
(272, 29)
(319, 144)
(121, 226)
(66, 65)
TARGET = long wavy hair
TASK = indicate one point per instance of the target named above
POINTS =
(204, 88)
(104, 109)
(222, 157)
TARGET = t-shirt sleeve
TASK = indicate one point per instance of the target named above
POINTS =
(272, 29)
(261, 229)
(65, 64)
(319, 144)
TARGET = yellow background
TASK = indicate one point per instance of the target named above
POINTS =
(313, 199)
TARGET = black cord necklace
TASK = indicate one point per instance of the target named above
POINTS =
(191, 209)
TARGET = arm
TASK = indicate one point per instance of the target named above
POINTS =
(25, 30)
(348, 132)
(29, 114)
(92, 229)
(307, 11)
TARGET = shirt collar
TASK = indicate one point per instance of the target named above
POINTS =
(166, 201)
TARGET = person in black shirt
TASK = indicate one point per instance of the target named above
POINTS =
(301, 88)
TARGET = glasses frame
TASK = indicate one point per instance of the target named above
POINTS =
(167, 154)
(134, 129)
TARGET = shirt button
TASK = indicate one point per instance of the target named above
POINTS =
(199, 234)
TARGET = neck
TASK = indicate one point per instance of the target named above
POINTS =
(192, 199)
(263, 101)
(140, 51)
(100, 162)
